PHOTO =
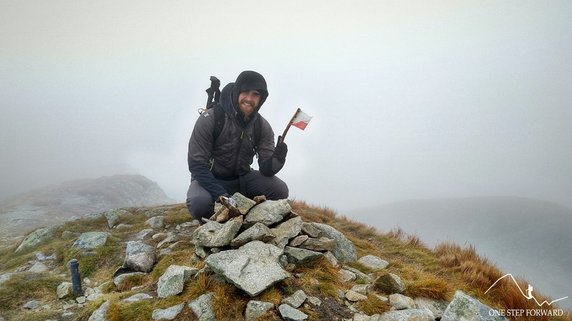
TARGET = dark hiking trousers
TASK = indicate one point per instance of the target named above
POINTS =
(201, 204)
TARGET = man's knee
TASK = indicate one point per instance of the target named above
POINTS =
(200, 206)
(279, 190)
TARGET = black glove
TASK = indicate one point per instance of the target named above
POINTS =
(281, 150)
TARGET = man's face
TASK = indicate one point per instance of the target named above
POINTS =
(248, 101)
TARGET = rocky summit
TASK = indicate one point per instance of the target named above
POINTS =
(276, 260)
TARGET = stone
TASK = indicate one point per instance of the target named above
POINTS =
(113, 216)
(214, 234)
(286, 230)
(170, 238)
(268, 212)
(435, 306)
(359, 274)
(364, 289)
(257, 232)
(244, 204)
(354, 296)
(296, 300)
(35, 238)
(406, 315)
(202, 307)
(373, 262)
(298, 240)
(310, 230)
(138, 297)
(173, 280)
(314, 301)
(156, 222)
(401, 302)
(466, 308)
(139, 256)
(91, 240)
(347, 276)
(122, 277)
(298, 255)
(5, 277)
(64, 290)
(288, 313)
(255, 309)
(31, 305)
(361, 317)
(319, 244)
(41, 257)
(39, 267)
(80, 299)
(100, 313)
(389, 283)
(331, 258)
(254, 267)
(344, 250)
(168, 313)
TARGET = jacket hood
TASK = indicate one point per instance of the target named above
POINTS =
(250, 80)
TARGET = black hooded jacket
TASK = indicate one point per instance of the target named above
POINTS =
(231, 154)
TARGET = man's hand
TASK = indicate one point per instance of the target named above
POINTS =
(281, 150)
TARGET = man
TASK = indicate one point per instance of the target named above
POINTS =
(220, 166)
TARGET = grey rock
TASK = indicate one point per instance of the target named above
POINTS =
(319, 244)
(286, 230)
(143, 234)
(466, 308)
(64, 290)
(296, 299)
(138, 297)
(100, 313)
(39, 267)
(253, 267)
(122, 277)
(347, 276)
(80, 299)
(202, 307)
(364, 289)
(244, 204)
(35, 238)
(436, 307)
(331, 258)
(311, 230)
(359, 274)
(288, 313)
(168, 313)
(41, 257)
(31, 305)
(113, 216)
(298, 240)
(257, 232)
(401, 302)
(156, 222)
(139, 256)
(255, 309)
(373, 262)
(298, 255)
(171, 238)
(354, 296)
(345, 250)
(173, 280)
(390, 283)
(268, 213)
(406, 315)
(5, 277)
(314, 301)
(91, 240)
(214, 234)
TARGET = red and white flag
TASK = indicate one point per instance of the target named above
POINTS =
(301, 119)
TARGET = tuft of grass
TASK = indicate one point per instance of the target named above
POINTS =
(26, 286)
(373, 305)
(136, 311)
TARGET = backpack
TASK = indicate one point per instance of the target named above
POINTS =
(213, 102)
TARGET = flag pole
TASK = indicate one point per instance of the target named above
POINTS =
(288, 126)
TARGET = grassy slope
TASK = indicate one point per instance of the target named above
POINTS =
(434, 274)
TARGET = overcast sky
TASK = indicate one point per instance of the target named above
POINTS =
(411, 99)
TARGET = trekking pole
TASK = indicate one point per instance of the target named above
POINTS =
(288, 126)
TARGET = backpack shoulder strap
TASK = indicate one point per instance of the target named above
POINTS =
(257, 132)
(219, 120)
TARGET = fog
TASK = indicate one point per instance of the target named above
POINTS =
(422, 99)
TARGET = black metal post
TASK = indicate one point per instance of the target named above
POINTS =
(76, 279)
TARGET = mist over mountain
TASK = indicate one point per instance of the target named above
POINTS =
(525, 237)
(56, 203)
